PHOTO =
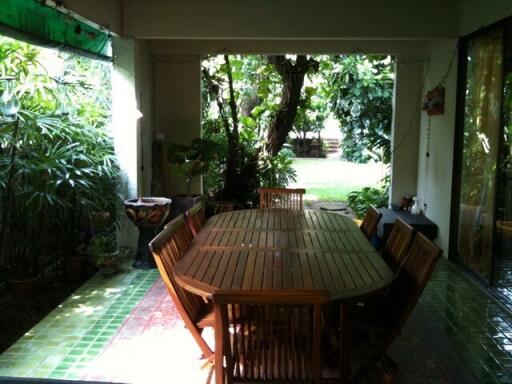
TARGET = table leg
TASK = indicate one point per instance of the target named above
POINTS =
(344, 344)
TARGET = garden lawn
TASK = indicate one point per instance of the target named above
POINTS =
(332, 179)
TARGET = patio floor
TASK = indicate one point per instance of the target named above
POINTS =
(125, 328)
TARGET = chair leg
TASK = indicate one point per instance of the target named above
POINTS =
(345, 344)
(389, 364)
(370, 365)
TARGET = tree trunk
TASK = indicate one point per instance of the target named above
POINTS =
(292, 76)
(233, 158)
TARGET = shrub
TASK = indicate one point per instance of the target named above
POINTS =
(360, 200)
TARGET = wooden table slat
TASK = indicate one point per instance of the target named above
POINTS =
(287, 266)
(277, 283)
(275, 249)
(337, 278)
(268, 270)
(257, 282)
(318, 280)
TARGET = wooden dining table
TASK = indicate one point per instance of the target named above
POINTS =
(279, 249)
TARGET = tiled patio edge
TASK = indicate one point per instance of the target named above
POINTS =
(476, 326)
(75, 333)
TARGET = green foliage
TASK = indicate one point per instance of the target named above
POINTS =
(277, 171)
(257, 87)
(194, 159)
(342, 83)
(360, 200)
(57, 162)
(361, 93)
(102, 245)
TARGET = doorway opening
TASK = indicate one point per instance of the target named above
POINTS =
(337, 145)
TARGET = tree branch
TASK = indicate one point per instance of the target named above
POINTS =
(232, 102)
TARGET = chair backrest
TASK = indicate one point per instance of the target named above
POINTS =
(266, 336)
(196, 218)
(400, 300)
(282, 198)
(168, 247)
(398, 243)
(370, 221)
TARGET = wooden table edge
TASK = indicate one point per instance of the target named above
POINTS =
(207, 290)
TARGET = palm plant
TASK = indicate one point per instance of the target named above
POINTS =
(53, 167)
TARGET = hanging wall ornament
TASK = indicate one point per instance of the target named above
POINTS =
(434, 101)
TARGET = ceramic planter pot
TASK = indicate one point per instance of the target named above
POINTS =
(108, 263)
(26, 288)
(148, 214)
(74, 267)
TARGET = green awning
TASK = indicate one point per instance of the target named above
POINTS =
(41, 24)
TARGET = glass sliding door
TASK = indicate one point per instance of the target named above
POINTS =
(481, 125)
(503, 237)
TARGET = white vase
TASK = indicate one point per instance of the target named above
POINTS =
(416, 209)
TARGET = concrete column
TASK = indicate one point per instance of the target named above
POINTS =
(144, 86)
(406, 123)
(435, 172)
(124, 128)
(177, 95)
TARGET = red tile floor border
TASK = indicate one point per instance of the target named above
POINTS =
(151, 346)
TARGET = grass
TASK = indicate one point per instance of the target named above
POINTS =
(331, 180)
(332, 193)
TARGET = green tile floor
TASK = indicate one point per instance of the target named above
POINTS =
(71, 336)
(68, 340)
(476, 326)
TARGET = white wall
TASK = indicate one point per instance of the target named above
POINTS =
(145, 101)
(435, 175)
(107, 13)
(124, 126)
(177, 82)
(405, 130)
(475, 14)
(435, 172)
(177, 92)
(313, 26)
(290, 19)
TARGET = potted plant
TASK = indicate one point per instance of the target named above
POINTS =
(23, 256)
(74, 262)
(104, 199)
(105, 251)
(190, 161)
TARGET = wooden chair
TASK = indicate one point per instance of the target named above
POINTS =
(274, 337)
(168, 247)
(196, 218)
(282, 198)
(370, 221)
(397, 244)
(385, 321)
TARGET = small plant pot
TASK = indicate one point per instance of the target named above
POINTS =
(74, 268)
(182, 203)
(26, 288)
(108, 263)
(214, 207)
(101, 221)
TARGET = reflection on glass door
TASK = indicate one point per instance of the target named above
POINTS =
(481, 131)
(503, 242)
